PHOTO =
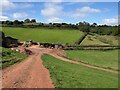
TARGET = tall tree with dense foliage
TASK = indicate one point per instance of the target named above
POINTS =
(27, 21)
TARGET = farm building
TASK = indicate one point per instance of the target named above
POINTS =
(8, 41)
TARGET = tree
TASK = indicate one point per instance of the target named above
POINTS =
(50, 23)
(16, 22)
(64, 24)
(94, 24)
(84, 26)
(21, 22)
(9, 22)
(27, 21)
(33, 21)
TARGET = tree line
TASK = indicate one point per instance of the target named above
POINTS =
(82, 26)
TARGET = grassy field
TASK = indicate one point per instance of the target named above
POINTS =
(67, 75)
(44, 35)
(10, 57)
(107, 59)
(103, 40)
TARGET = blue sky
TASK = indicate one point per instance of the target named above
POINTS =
(69, 12)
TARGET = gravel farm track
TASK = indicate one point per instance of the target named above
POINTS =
(31, 73)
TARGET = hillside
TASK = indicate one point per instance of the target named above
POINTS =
(103, 40)
(44, 35)
(60, 36)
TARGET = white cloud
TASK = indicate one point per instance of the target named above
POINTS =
(22, 15)
(4, 5)
(55, 19)
(84, 11)
(25, 5)
(87, 9)
(8, 5)
(4, 18)
(78, 14)
(110, 21)
(52, 11)
(55, 1)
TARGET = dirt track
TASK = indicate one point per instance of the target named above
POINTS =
(31, 73)
(28, 74)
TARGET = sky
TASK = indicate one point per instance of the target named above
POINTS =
(58, 12)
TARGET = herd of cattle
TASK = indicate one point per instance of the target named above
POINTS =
(43, 45)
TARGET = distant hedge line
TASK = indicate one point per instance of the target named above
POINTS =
(82, 26)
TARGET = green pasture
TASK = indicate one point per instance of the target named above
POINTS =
(68, 75)
(103, 40)
(44, 35)
(106, 59)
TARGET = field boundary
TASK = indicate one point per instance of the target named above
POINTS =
(91, 47)
(84, 64)
(81, 39)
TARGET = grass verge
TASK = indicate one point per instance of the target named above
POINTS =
(68, 75)
(10, 57)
